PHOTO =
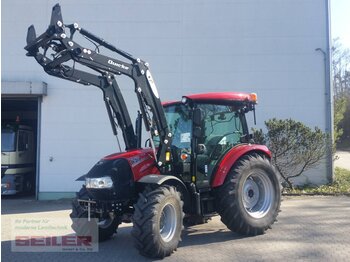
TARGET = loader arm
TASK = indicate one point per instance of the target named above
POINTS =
(63, 48)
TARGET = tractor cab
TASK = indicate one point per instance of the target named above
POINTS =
(205, 127)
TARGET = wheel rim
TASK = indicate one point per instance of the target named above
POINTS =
(167, 223)
(258, 194)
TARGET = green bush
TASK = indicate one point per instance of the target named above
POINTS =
(295, 147)
(340, 107)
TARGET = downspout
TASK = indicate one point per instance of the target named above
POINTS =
(328, 94)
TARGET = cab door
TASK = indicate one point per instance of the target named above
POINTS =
(222, 130)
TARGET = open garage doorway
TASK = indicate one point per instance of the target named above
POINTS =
(19, 148)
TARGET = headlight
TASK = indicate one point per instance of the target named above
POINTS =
(101, 182)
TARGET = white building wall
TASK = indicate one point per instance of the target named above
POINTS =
(262, 46)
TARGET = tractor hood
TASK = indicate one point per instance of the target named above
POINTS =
(138, 163)
(124, 169)
(141, 161)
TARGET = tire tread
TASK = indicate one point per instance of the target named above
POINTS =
(227, 199)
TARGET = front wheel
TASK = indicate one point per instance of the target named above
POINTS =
(158, 222)
(249, 200)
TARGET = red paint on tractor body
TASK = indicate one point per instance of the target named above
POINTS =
(141, 161)
(230, 159)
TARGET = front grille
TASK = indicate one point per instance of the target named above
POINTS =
(85, 204)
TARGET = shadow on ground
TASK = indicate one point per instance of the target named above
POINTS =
(120, 247)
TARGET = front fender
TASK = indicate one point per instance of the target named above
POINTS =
(226, 163)
(160, 180)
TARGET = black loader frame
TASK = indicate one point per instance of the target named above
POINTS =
(66, 49)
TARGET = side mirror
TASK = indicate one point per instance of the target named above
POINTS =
(197, 117)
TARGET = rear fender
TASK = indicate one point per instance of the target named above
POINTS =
(231, 157)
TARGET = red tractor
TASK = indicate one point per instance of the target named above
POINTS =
(198, 162)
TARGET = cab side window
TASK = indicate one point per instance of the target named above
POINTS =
(222, 127)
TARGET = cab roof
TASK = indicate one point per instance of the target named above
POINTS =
(219, 98)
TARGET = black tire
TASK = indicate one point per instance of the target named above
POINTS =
(158, 222)
(28, 186)
(82, 227)
(240, 210)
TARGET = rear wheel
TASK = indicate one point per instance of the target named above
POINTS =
(249, 200)
(158, 222)
(106, 225)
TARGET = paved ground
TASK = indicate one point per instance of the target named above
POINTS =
(344, 159)
(309, 229)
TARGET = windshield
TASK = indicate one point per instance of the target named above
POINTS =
(8, 140)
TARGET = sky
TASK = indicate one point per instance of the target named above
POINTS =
(340, 21)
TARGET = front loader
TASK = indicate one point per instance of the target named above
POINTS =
(199, 161)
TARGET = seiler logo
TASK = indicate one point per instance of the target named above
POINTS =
(61, 241)
(111, 62)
